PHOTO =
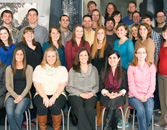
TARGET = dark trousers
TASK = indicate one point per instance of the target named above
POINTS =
(55, 109)
(85, 111)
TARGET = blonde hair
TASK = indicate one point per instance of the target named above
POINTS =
(99, 22)
(44, 61)
(95, 43)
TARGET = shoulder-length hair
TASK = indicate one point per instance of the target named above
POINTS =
(116, 12)
(148, 27)
(10, 42)
(135, 59)
(59, 40)
(76, 65)
(74, 35)
(95, 43)
(28, 29)
(44, 61)
(133, 25)
(125, 27)
(99, 22)
(110, 3)
(107, 68)
(13, 65)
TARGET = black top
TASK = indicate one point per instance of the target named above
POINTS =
(111, 39)
(19, 82)
(99, 62)
(34, 57)
(2, 79)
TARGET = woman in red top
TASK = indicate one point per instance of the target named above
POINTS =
(72, 47)
(162, 80)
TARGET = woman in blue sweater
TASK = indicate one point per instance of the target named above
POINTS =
(6, 46)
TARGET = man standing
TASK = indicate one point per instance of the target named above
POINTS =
(160, 18)
(110, 35)
(131, 8)
(88, 31)
(66, 34)
(40, 32)
(7, 18)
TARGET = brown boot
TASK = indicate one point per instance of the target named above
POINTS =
(99, 113)
(42, 120)
(56, 121)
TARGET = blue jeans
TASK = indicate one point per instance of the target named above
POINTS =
(15, 112)
(144, 111)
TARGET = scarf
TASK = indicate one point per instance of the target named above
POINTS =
(50, 70)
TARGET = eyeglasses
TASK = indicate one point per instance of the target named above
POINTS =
(141, 53)
(95, 15)
(160, 16)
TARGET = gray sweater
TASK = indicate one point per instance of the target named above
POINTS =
(2, 79)
(83, 82)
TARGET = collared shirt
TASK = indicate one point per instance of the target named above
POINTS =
(14, 33)
(40, 34)
(89, 36)
(141, 81)
(65, 37)
(157, 40)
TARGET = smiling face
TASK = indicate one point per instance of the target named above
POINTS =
(19, 56)
(117, 18)
(113, 60)
(134, 31)
(121, 32)
(95, 16)
(55, 35)
(7, 18)
(79, 32)
(83, 57)
(109, 25)
(87, 22)
(4, 35)
(110, 9)
(141, 54)
(160, 18)
(143, 32)
(29, 36)
(91, 7)
(32, 17)
(64, 22)
(164, 34)
(136, 18)
(100, 35)
(51, 58)
(131, 8)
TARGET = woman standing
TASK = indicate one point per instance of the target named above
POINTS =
(144, 39)
(6, 46)
(141, 81)
(134, 33)
(110, 8)
(116, 15)
(18, 84)
(162, 80)
(113, 86)
(2, 84)
(82, 87)
(97, 19)
(74, 45)
(56, 41)
(124, 45)
(50, 79)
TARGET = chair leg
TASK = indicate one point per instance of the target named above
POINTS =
(68, 119)
(62, 117)
(103, 111)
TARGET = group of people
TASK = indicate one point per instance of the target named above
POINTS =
(106, 59)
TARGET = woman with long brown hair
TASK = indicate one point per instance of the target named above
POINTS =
(75, 44)
(56, 41)
(18, 85)
(141, 81)
(6, 46)
(110, 8)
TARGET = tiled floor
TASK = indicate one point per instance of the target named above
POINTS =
(75, 128)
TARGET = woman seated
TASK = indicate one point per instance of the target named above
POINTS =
(83, 84)
(2, 84)
(50, 79)
(141, 80)
(18, 85)
(113, 86)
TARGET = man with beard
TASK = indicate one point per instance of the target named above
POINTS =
(110, 35)
(131, 8)
(160, 18)
(88, 31)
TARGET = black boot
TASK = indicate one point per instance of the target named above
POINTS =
(108, 119)
(114, 121)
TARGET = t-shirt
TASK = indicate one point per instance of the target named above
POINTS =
(111, 39)
(50, 82)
